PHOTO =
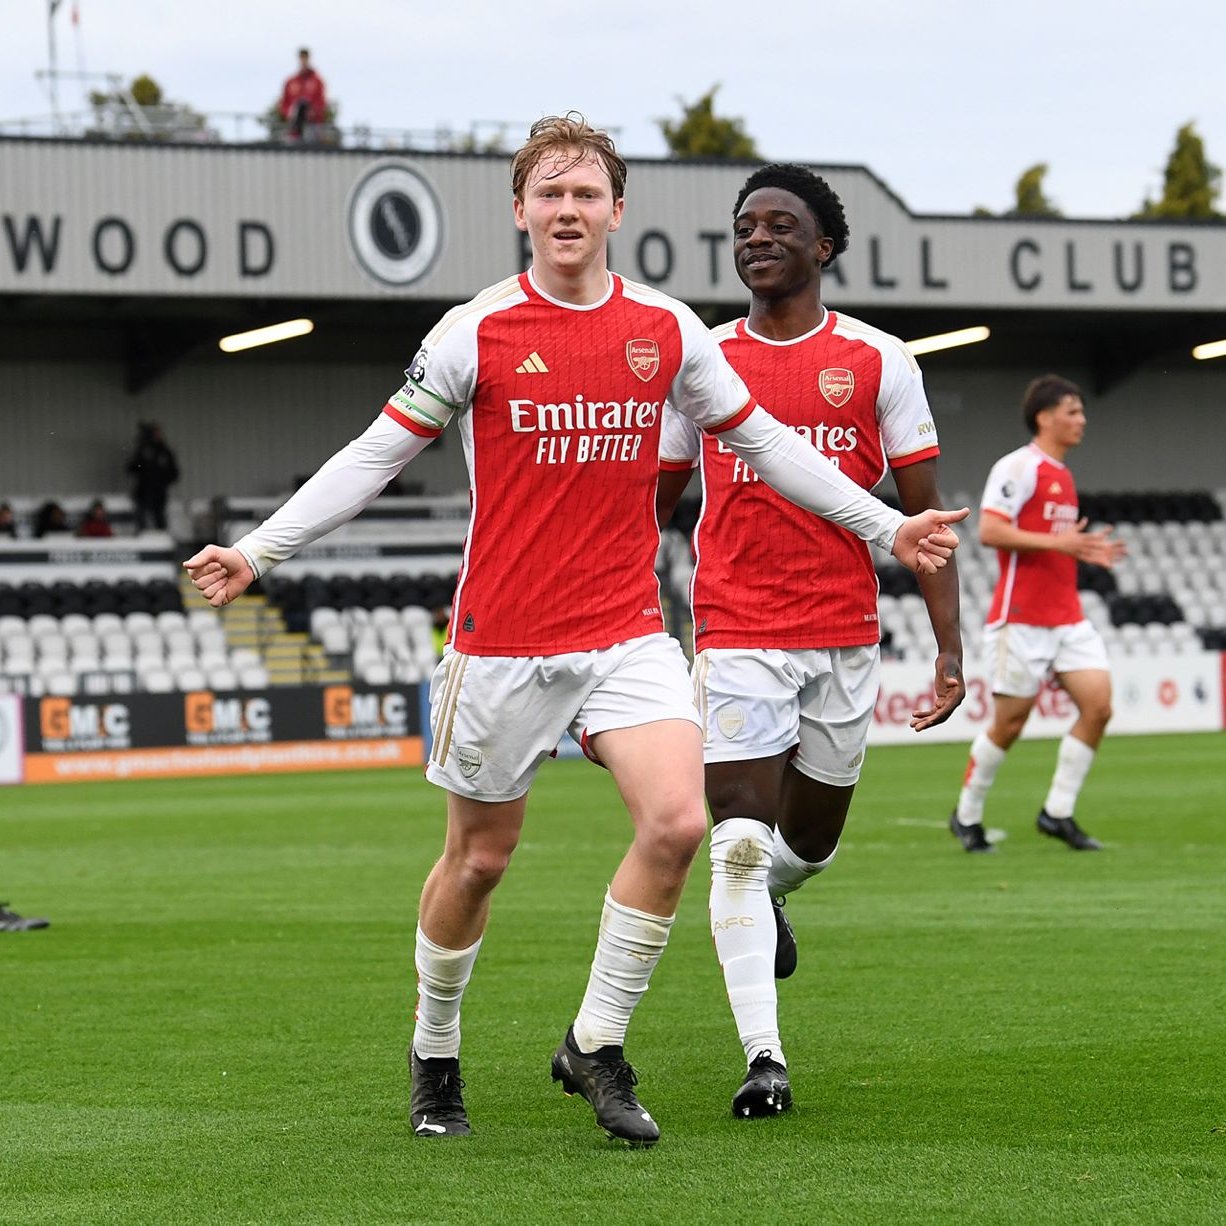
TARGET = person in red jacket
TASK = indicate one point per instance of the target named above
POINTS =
(303, 99)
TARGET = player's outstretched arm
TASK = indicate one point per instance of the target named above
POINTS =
(344, 486)
(220, 575)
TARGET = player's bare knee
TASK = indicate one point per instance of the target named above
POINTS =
(675, 838)
(481, 868)
(1005, 732)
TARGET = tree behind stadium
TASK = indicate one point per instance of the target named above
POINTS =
(703, 134)
(1191, 183)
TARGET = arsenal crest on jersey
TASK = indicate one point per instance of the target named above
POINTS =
(837, 385)
(644, 358)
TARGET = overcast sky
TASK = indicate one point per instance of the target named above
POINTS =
(945, 102)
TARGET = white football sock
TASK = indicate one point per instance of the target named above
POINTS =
(986, 757)
(743, 928)
(627, 950)
(788, 871)
(442, 976)
(1073, 764)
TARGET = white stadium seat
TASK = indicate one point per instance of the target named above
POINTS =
(334, 639)
(62, 684)
(157, 681)
(200, 620)
(107, 623)
(189, 679)
(170, 619)
(221, 678)
(42, 624)
(322, 617)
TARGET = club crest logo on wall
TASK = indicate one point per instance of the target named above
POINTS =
(395, 224)
(644, 358)
(837, 385)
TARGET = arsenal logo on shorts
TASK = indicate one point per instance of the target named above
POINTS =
(644, 358)
(837, 385)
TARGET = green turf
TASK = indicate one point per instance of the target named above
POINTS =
(213, 1029)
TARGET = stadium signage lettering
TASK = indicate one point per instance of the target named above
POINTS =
(1125, 266)
(1029, 263)
(36, 244)
(352, 715)
(68, 726)
(213, 720)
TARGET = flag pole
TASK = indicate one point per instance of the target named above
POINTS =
(53, 76)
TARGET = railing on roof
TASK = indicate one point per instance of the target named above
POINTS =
(174, 123)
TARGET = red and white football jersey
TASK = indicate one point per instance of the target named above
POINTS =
(1035, 492)
(767, 573)
(559, 409)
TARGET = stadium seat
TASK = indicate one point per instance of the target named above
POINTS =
(157, 681)
(72, 624)
(334, 638)
(42, 624)
(201, 620)
(322, 617)
(253, 677)
(60, 683)
(374, 673)
(107, 623)
(222, 678)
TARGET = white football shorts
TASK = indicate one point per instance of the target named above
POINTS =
(755, 704)
(1019, 658)
(495, 719)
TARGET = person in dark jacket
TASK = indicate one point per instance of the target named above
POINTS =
(154, 470)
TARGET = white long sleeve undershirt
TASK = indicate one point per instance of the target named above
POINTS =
(355, 476)
(342, 488)
(803, 475)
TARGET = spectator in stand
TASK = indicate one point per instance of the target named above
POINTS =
(154, 470)
(303, 100)
(51, 520)
(95, 522)
(8, 526)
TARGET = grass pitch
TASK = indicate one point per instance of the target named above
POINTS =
(213, 1029)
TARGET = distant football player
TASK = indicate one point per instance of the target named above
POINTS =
(1035, 626)
(786, 634)
(557, 379)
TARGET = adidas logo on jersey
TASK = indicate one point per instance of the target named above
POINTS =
(533, 364)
